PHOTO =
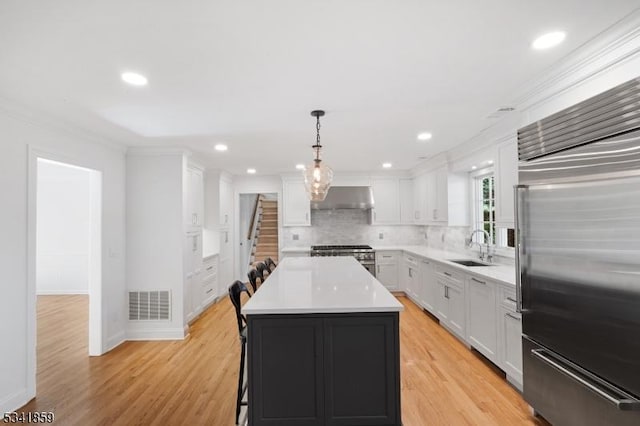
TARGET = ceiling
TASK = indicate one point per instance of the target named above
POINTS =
(247, 73)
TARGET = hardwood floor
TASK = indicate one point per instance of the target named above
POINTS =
(193, 381)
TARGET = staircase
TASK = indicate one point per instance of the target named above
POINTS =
(266, 242)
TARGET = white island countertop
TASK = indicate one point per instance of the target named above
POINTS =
(310, 285)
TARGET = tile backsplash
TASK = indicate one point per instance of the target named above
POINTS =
(352, 226)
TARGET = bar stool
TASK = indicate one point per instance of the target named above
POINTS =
(235, 291)
(269, 262)
(262, 269)
(255, 275)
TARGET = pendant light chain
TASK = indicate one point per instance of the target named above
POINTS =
(317, 145)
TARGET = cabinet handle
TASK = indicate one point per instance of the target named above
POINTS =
(511, 299)
(435, 213)
(447, 274)
(478, 281)
(512, 316)
(209, 291)
(378, 269)
(386, 256)
(410, 276)
(306, 217)
(446, 292)
(226, 236)
(210, 268)
(416, 214)
(226, 218)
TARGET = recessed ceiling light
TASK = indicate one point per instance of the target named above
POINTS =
(490, 161)
(548, 40)
(300, 166)
(251, 171)
(221, 147)
(134, 78)
(473, 167)
(386, 165)
(424, 136)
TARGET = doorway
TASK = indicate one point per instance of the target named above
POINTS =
(65, 252)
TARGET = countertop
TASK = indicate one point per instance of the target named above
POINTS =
(502, 273)
(309, 285)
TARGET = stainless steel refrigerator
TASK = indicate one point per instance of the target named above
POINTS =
(578, 257)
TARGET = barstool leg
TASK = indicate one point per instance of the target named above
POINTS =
(240, 380)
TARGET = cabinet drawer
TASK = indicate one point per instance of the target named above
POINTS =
(386, 257)
(210, 266)
(411, 260)
(450, 274)
(507, 298)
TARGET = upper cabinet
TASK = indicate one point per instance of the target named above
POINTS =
(194, 198)
(226, 202)
(506, 172)
(407, 209)
(386, 195)
(434, 192)
(296, 209)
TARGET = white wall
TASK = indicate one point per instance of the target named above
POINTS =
(63, 229)
(20, 130)
(155, 235)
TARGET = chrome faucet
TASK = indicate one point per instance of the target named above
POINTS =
(481, 255)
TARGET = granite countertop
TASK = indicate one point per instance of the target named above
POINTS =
(309, 285)
(499, 272)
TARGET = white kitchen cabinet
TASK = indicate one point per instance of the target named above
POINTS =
(410, 272)
(406, 201)
(226, 202)
(193, 198)
(386, 196)
(450, 301)
(387, 269)
(296, 209)
(225, 266)
(481, 314)
(192, 295)
(420, 196)
(506, 173)
(209, 280)
(437, 196)
(509, 325)
(428, 286)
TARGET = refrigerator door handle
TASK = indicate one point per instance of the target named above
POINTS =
(517, 210)
(626, 404)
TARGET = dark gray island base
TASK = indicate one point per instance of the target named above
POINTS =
(324, 369)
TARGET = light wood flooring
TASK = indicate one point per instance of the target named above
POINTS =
(193, 382)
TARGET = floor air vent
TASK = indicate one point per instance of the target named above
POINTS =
(149, 305)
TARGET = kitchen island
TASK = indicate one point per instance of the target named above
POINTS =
(324, 346)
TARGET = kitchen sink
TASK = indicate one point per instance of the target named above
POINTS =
(467, 262)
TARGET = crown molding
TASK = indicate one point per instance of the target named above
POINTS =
(36, 118)
(615, 45)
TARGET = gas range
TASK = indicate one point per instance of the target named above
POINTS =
(363, 253)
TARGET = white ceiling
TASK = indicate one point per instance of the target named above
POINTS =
(248, 72)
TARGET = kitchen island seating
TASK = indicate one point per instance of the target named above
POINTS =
(271, 265)
(255, 275)
(235, 292)
(262, 268)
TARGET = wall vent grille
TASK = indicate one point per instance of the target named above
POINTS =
(149, 305)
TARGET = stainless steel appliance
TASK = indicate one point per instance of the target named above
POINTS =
(578, 257)
(363, 254)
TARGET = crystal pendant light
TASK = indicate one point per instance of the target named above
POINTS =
(317, 175)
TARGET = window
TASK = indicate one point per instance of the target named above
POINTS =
(484, 210)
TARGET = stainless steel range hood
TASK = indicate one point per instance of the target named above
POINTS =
(346, 197)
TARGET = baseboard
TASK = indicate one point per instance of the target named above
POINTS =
(60, 292)
(158, 334)
(14, 401)
(115, 341)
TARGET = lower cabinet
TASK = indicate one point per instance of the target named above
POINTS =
(450, 301)
(209, 280)
(387, 269)
(482, 333)
(509, 325)
(324, 369)
(410, 272)
(428, 286)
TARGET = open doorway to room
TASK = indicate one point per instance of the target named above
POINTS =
(258, 229)
(66, 264)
